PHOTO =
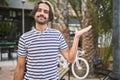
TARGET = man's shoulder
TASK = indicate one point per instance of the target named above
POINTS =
(28, 33)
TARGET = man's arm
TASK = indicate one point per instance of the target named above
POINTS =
(20, 68)
(70, 54)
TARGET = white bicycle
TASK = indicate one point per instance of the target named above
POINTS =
(80, 66)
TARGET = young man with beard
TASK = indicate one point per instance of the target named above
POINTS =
(38, 49)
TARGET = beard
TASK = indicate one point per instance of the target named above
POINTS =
(41, 22)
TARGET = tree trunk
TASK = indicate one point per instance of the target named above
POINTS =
(61, 11)
(89, 40)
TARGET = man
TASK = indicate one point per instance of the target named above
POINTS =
(38, 49)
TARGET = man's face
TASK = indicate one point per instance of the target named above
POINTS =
(42, 14)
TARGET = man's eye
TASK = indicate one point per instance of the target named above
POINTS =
(46, 11)
(39, 10)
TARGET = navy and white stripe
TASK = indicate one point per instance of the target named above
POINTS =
(41, 50)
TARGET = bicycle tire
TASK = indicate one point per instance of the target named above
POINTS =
(80, 74)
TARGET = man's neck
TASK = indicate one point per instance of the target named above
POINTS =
(41, 27)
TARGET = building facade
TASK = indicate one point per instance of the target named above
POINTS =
(11, 19)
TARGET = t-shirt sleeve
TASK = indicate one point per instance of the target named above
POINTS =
(62, 42)
(21, 47)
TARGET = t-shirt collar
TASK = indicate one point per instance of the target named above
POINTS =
(39, 32)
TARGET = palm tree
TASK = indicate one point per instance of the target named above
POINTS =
(61, 17)
(96, 12)
(89, 40)
(93, 12)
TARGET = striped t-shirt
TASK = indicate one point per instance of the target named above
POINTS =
(41, 50)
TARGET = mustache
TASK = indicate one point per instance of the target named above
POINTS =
(42, 16)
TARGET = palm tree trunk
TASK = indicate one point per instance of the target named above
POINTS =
(61, 10)
(89, 40)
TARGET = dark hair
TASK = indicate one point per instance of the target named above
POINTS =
(36, 8)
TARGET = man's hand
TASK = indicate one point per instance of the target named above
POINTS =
(82, 31)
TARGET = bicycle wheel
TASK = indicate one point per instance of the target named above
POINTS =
(80, 68)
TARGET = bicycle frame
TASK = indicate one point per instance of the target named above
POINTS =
(78, 55)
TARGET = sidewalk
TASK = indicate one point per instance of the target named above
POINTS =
(8, 67)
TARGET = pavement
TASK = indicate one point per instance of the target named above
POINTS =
(7, 68)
